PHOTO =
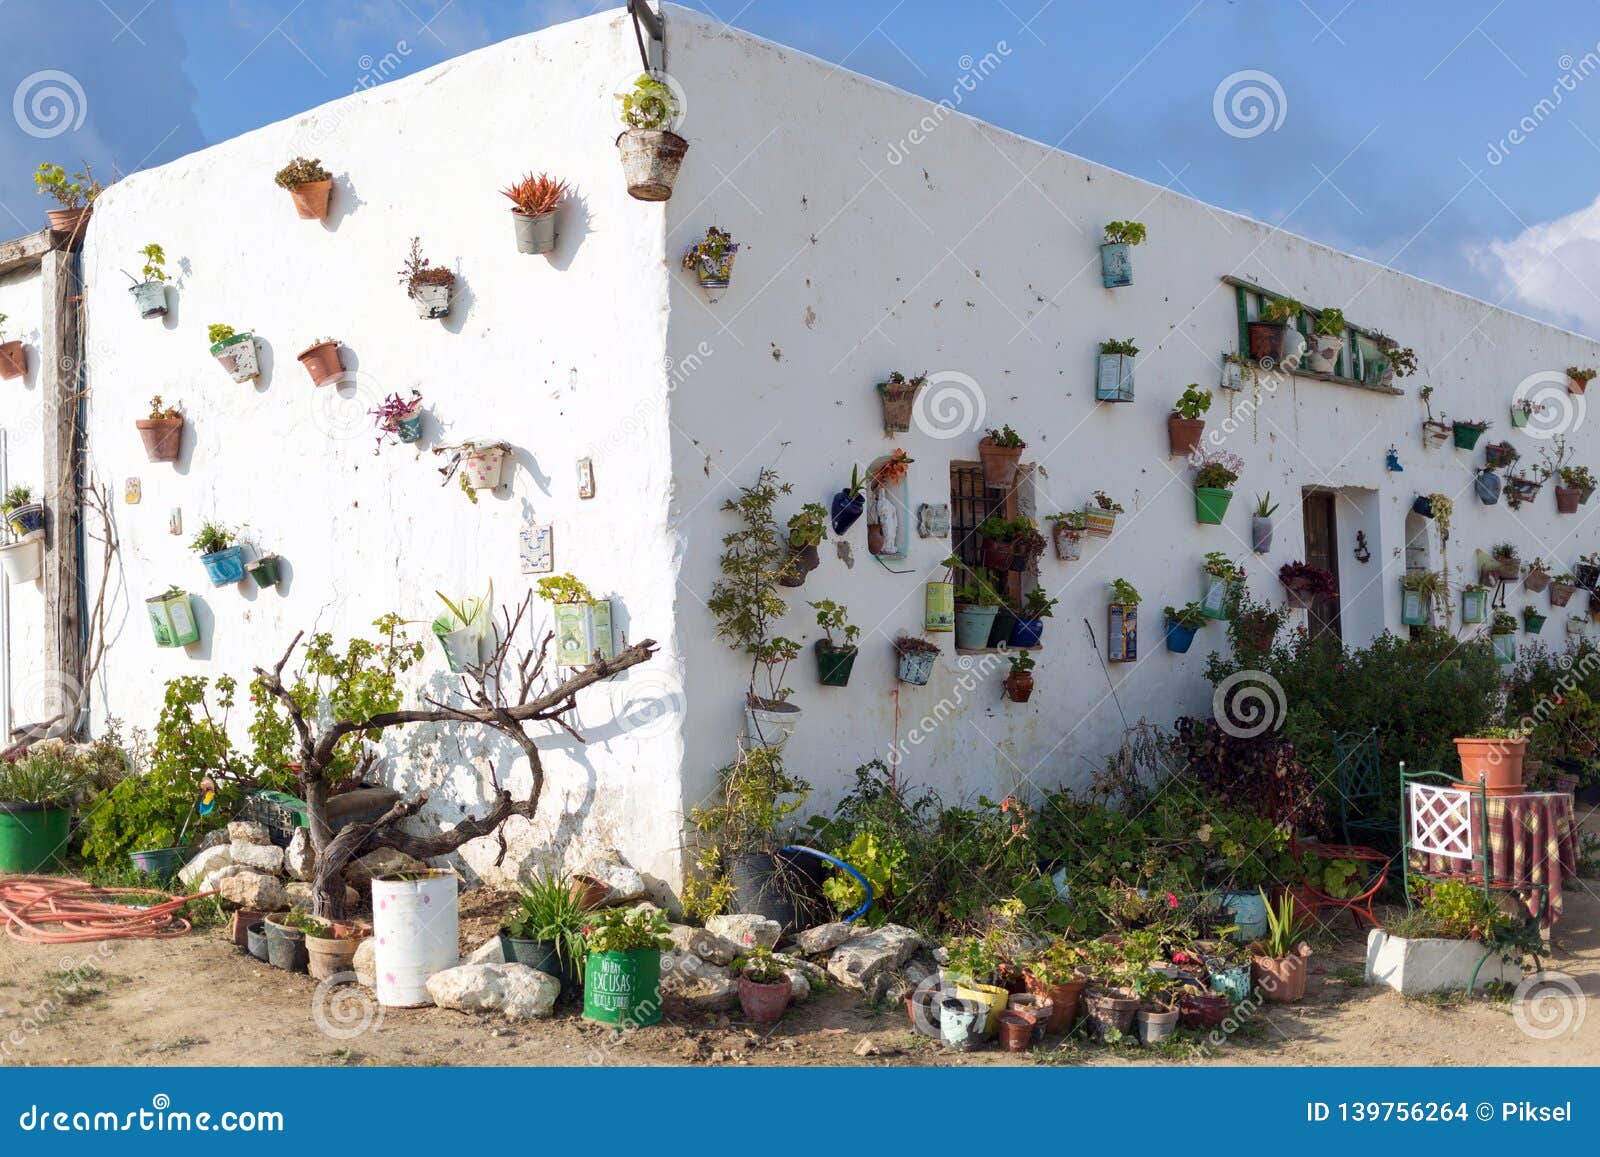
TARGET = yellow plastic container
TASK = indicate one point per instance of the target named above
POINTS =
(988, 994)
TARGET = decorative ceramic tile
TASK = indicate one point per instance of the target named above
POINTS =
(537, 548)
(585, 478)
(132, 491)
(933, 520)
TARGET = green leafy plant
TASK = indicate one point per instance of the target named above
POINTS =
(650, 105)
(1105, 502)
(547, 910)
(832, 617)
(213, 536)
(18, 495)
(562, 588)
(1189, 615)
(1123, 592)
(1218, 471)
(747, 600)
(756, 796)
(1022, 664)
(1265, 507)
(627, 930)
(758, 966)
(1402, 360)
(1329, 323)
(1072, 519)
(1125, 233)
(809, 526)
(1193, 402)
(1125, 348)
(301, 171)
(1007, 437)
(1460, 911)
(979, 957)
(1281, 310)
(1285, 927)
(1504, 624)
(1582, 376)
(1217, 564)
(217, 334)
(47, 773)
(1036, 604)
(155, 259)
(74, 193)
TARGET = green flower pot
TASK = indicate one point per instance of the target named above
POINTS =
(1210, 504)
(1474, 606)
(32, 836)
(1467, 436)
(1533, 624)
(834, 663)
(265, 571)
(623, 988)
(973, 625)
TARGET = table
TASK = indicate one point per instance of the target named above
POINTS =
(1533, 839)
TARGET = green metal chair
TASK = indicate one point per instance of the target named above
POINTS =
(1358, 777)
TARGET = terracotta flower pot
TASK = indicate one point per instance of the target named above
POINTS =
(1567, 499)
(1281, 979)
(162, 437)
(1496, 762)
(311, 199)
(13, 360)
(1016, 1032)
(764, 1003)
(1536, 580)
(899, 401)
(1019, 685)
(1183, 434)
(240, 928)
(1063, 1000)
(1561, 594)
(322, 362)
(76, 220)
(876, 542)
(326, 957)
(589, 892)
(999, 463)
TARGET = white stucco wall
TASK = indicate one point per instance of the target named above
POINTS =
(26, 681)
(977, 252)
(543, 352)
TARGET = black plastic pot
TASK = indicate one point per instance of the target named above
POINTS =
(834, 664)
(802, 561)
(767, 885)
(1005, 621)
(1487, 485)
(542, 955)
(1587, 575)
(286, 948)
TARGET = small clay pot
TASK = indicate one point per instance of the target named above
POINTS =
(764, 1003)
(1016, 1032)
(589, 892)
(311, 199)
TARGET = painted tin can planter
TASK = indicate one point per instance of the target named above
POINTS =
(834, 664)
(583, 633)
(172, 620)
(13, 360)
(1099, 523)
(224, 566)
(1234, 983)
(1266, 340)
(1532, 623)
(1474, 606)
(1123, 632)
(1211, 504)
(1027, 632)
(846, 509)
(1179, 637)
(22, 560)
(150, 297)
(939, 606)
(915, 667)
(1114, 379)
(432, 300)
(1505, 648)
(265, 570)
(321, 362)
(1213, 596)
(1116, 264)
(1466, 435)
(1068, 542)
(650, 162)
(973, 625)
(1413, 609)
(535, 234)
(1260, 534)
(1249, 914)
(162, 438)
(238, 356)
(623, 988)
(989, 998)
(415, 926)
(27, 518)
(485, 467)
(1325, 351)
(899, 402)
(961, 1023)
(460, 648)
(1519, 417)
(409, 428)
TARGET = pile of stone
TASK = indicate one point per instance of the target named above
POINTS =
(249, 871)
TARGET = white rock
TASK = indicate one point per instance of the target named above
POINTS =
(746, 930)
(858, 962)
(298, 858)
(812, 971)
(258, 857)
(366, 962)
(626, 884)
(704, 943)
(381, 862)
(491, 951)
(799, 986)
(520, 992)
(689, 984)
(248, 832)
(299, 893)
(214, 879)
(823, 938)
(204, 864)
(256, 891)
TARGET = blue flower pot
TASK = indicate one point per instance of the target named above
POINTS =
(150, 297)
(27, 518)
(1116, 264)
(1179, 637)
(846, 510)
(225, 566)
(1027, 632)
(410, 429)
(1249, 913)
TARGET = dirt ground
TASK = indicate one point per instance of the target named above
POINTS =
(199, 1001)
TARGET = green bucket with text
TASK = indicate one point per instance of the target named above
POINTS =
(623, 988)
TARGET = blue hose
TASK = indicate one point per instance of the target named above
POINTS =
(840, 864)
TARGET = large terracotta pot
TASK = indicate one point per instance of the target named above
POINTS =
(1281, 979)
(1496, 762)
(999, 463)
(1183, 434)
(321, 362)
(328, 957)
(764, 1003)
(162, 437)
(311, 199)
(69, 220)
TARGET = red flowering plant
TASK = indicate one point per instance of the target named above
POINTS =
(1307, 580)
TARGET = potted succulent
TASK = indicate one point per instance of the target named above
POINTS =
(1503, 636)
(1066, 531)
(461, 630)
(219, 553)
(1562, 588)
(1267, 335)
(309, 184)
(1419, 589)
(1499, 455)
(651, 153)
(13, 358)
(1532, 621)
(161, 432)
(1261, 524)
(835, 660)
(1220, 579)
(75, 196)
(150, 294)
(1523, 410)
(545, 931)
(807, 529)
(622, 971)
(1504, 563)
(1306, 583)
(899, 395)
(1280, 963)
(1327, 340)
(1114, 379)
(37, 793)
(1434, 432)
(1578, 379)
(1123, 617)
(1000, 451)
(24, 514)
(1185, 424)
(330, 948)
(764, 987)
(534, 200)
(1182, 624)
(1493, 756)
(1028, 629)
(427, 284)
(1100, 514)
(398, 419)
(1213, 481)
(711, 259)
(914, 659)
(321, 360)
(977, 607)
(1474, 604)
(235, 352)
(172, 620)
(1467, 432)
(1116, 256)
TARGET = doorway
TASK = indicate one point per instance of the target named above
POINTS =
(1322, 540)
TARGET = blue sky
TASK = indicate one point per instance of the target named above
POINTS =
(1390, 112)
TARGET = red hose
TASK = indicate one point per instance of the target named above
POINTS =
(52, 910)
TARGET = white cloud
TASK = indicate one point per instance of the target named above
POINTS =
(1553, 269)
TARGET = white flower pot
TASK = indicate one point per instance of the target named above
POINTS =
(1294, 348)
(1325, 352)
(432, 300)
(1413, 967)
(23, 559)
(414, 922)
(461, 649)
(769, 722)
(485, 468)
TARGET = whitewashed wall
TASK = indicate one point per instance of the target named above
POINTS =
(976, 252)
(551, 354)
(26, 679)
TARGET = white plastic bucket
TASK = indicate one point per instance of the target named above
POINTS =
(22, 559)
(414, 926)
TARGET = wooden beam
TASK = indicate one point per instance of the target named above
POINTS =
(59, 359)
(24, 252)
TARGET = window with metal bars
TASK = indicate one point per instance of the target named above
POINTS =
(970, 503)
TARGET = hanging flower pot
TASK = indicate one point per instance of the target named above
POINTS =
(1100, 516)
(1435, 434)
(1122, 620)
(1567, 499)
(150, 298)
(1497, 455)
(973, 627)
(1116, 264)
(1413, 609)
(1532, 621)
(1468, 433)
(23, 559)
(939, 606)
(711, 260)
(1519, 417)
(1474, 605)
(847, 506)
(802, 561)
(235, 352)
(461, 647)
(915, 660)
(76, 220)
(13, 360)
(224, 567)
(1487, 484)
(1114, 379)
(1422, 505)
(1536, 579)
(770, 722)
(161, 432)
(650, 162)
(1068, 541)
(1026, 632)
(1019, 685)
(1561, 593)
(322, 361)
(310, 187)
(1505, 648)
(172, 619)
(1211, 504)
(1588, 575)
(1214, 592)
(899, 398)
(1179, 637)
(1266, 340)
(534, 234)
(997, 555)
(1575, 625)
(265, 570)
(1578, 380)
(1325, 350)
(26, 518)
(1183, 435)
(834, 664)
(1000, 452)
(483, 465)
(1260, 534)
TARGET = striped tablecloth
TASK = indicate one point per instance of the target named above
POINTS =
(1533, 839)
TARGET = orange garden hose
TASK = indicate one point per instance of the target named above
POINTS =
(52, 910)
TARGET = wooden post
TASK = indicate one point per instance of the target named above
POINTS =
(60, 365)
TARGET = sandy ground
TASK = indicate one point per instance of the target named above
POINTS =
(199, 1001)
